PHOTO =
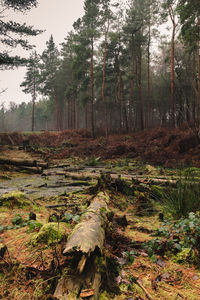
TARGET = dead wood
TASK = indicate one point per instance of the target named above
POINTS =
(89, 233)
(35, 170)
(26, 163)
(86, 240)
(134, 178)
(139, 282)
(56, 205)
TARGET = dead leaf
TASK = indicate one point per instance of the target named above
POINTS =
(87, 293)
(161, 263)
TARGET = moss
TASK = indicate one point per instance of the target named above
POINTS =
(186, 255)
(5, 177)
(15, 198)
(100, 264)
(104, 296)
(50, 233)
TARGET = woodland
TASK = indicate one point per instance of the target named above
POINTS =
(100, 172)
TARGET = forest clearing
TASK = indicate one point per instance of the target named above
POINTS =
(100, 150)
(89, 227)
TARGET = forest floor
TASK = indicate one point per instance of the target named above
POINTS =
(30, 267)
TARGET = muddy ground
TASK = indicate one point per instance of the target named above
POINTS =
(30, 269)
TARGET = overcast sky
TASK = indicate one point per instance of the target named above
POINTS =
(54, 16)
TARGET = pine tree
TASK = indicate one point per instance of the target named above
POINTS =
(49, 67)
(31, 82)
(189, 12)
(90, 26)
(13, 34)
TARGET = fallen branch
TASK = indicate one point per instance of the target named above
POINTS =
(139, 282)
(134, 178)
(20, 162)
(56, 205)
(86, 239)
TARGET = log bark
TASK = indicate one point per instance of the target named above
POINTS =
(86, 239)
(26, 163)
(89, 233)
(139, 179)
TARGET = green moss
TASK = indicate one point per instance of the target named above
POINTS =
(15, 198)
(186, 255)
(104, 296)
(50, 233)
(100, 264)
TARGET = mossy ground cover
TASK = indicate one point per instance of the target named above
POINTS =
(32, 269)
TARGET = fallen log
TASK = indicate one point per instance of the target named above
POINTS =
(135, 178)
(86, 241)
(20, 162)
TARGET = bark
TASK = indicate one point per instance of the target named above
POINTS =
(137, 179)
(125, 119)
(104, 80)
(141, 118)
(172, 17)
(92, 86)
(148, 80)
(130, 115)
(199, 77)
(73, 112)
(194, 85)
(33, 104)
(26, 163)
(89, 233)
(118, 91)
(58, 116)
(87, 237)
(119, 100)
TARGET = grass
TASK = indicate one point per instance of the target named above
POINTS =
(183, 199)
(179, 200)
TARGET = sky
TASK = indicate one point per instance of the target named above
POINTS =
(56, 17)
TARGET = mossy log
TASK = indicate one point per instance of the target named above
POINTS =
(21, 162)
(85, 242)
(89, 233)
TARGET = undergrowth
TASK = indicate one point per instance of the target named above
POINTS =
(181, 199)
(174, 237)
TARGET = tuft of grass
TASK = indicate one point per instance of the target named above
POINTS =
(182, 199)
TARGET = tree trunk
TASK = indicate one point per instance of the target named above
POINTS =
(73, 112)
(58, 116)
(130, 113)
(172, 17)
(92, 87)
(119, 99)
(33, 105)
(125, 119)
(119, 87)
(141, 117)
(148, 118)
(199, 77)
(103, 81)
(194, 85)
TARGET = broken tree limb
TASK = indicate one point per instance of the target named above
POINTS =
(134, 178)
(20, 162)
(89, 233)
(56, 205)
(139, 282)
(86, 238)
